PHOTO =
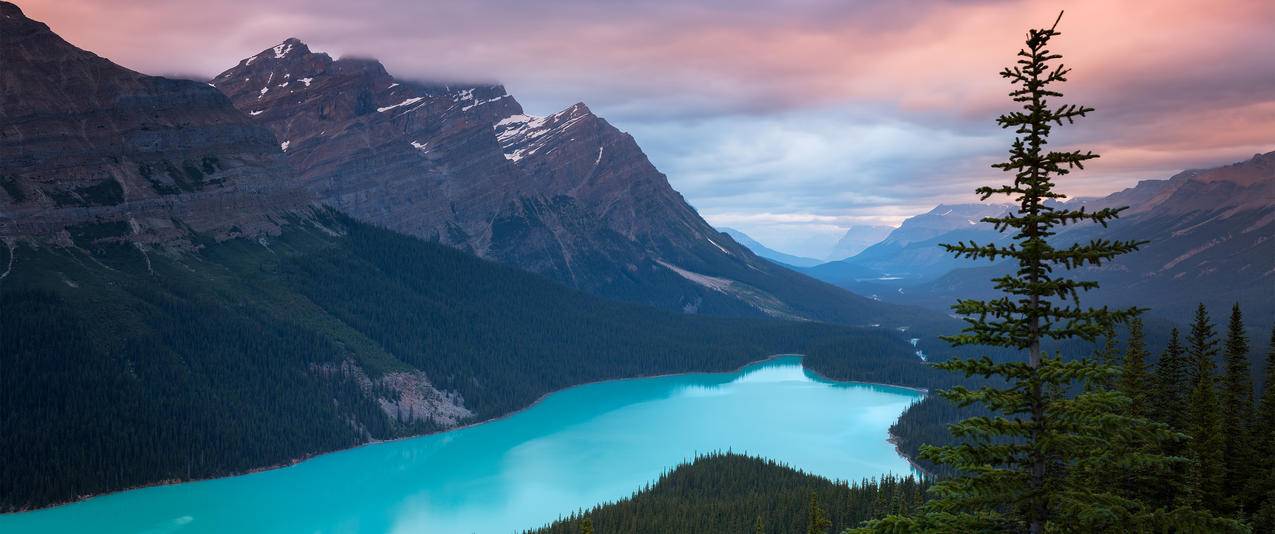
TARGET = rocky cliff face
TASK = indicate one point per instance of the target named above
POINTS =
(568, 195)
(413, 157)
(91, 151)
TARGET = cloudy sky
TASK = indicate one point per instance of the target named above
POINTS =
(788, 119)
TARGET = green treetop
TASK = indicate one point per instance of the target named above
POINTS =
(1032, 465)
(1135, 380)
(1237, 407)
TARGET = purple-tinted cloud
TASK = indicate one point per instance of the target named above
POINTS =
(770, 113)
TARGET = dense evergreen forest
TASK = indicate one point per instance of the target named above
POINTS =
(733, 494)
(126, 365)
(1061, 425)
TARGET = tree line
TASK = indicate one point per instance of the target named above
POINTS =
(731, 493)
(124, 368)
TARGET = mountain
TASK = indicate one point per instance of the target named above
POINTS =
(857, 238)
(93, 152)
(177, 306)
(568, 196)
(766, 252)
(136, 366)
(1209, 233)
(911, 254)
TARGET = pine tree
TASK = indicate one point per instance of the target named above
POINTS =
(1029, 467)
(1237, 408)
(1108, 355)
(817, 521)
(1262, 487)
(1171, 385)
(1015, 456)
(1204, 417)
(760, 526)
(1135, 381)
(1264, 425)
(586, 526)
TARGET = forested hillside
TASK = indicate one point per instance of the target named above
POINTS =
(731, 494)
(128, 365)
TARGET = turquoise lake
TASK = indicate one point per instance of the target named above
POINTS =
(576, 448)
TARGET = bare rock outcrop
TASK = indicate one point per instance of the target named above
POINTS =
(92, 151)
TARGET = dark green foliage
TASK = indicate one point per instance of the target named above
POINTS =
(10, 186)
(1262, 486)
(108, 192)
(188, 176)
(1053, 455)
(817, 521)
(925, 423)
(1237, 409)
(730, 493)
(210, 164)
(1171, 385)
(1204, 417)
(876, 361)
(105, 193)
(1135, 380)
(86, 234)
(161, 186)
(137, 365)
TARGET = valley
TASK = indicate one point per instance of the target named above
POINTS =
(524, 470)
(318, 290)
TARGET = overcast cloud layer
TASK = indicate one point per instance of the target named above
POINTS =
(788, 119)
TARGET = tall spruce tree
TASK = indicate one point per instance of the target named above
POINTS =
(1237, 410)
(1107, 355)
(817, 521)
(1135, 380)
(1018, 463)
(1014, 457)
(1264, 424)
(1262, 486)
(1171, 384)
(1204, 417)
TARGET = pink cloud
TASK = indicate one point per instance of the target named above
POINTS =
(1177, 83)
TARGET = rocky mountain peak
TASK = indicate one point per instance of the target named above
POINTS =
(568, 195)
(92, 151)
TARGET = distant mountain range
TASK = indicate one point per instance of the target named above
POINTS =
(766, 252)
(1211, 233)
(910, 253)
(856, 239)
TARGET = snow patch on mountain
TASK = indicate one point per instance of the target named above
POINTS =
(407, 102)
(523, 135)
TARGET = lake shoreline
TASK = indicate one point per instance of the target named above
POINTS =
(303, 458)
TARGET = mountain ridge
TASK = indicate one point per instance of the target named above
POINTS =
(568, 195)
(766, 252)
(91, 151)
(1209, 241)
